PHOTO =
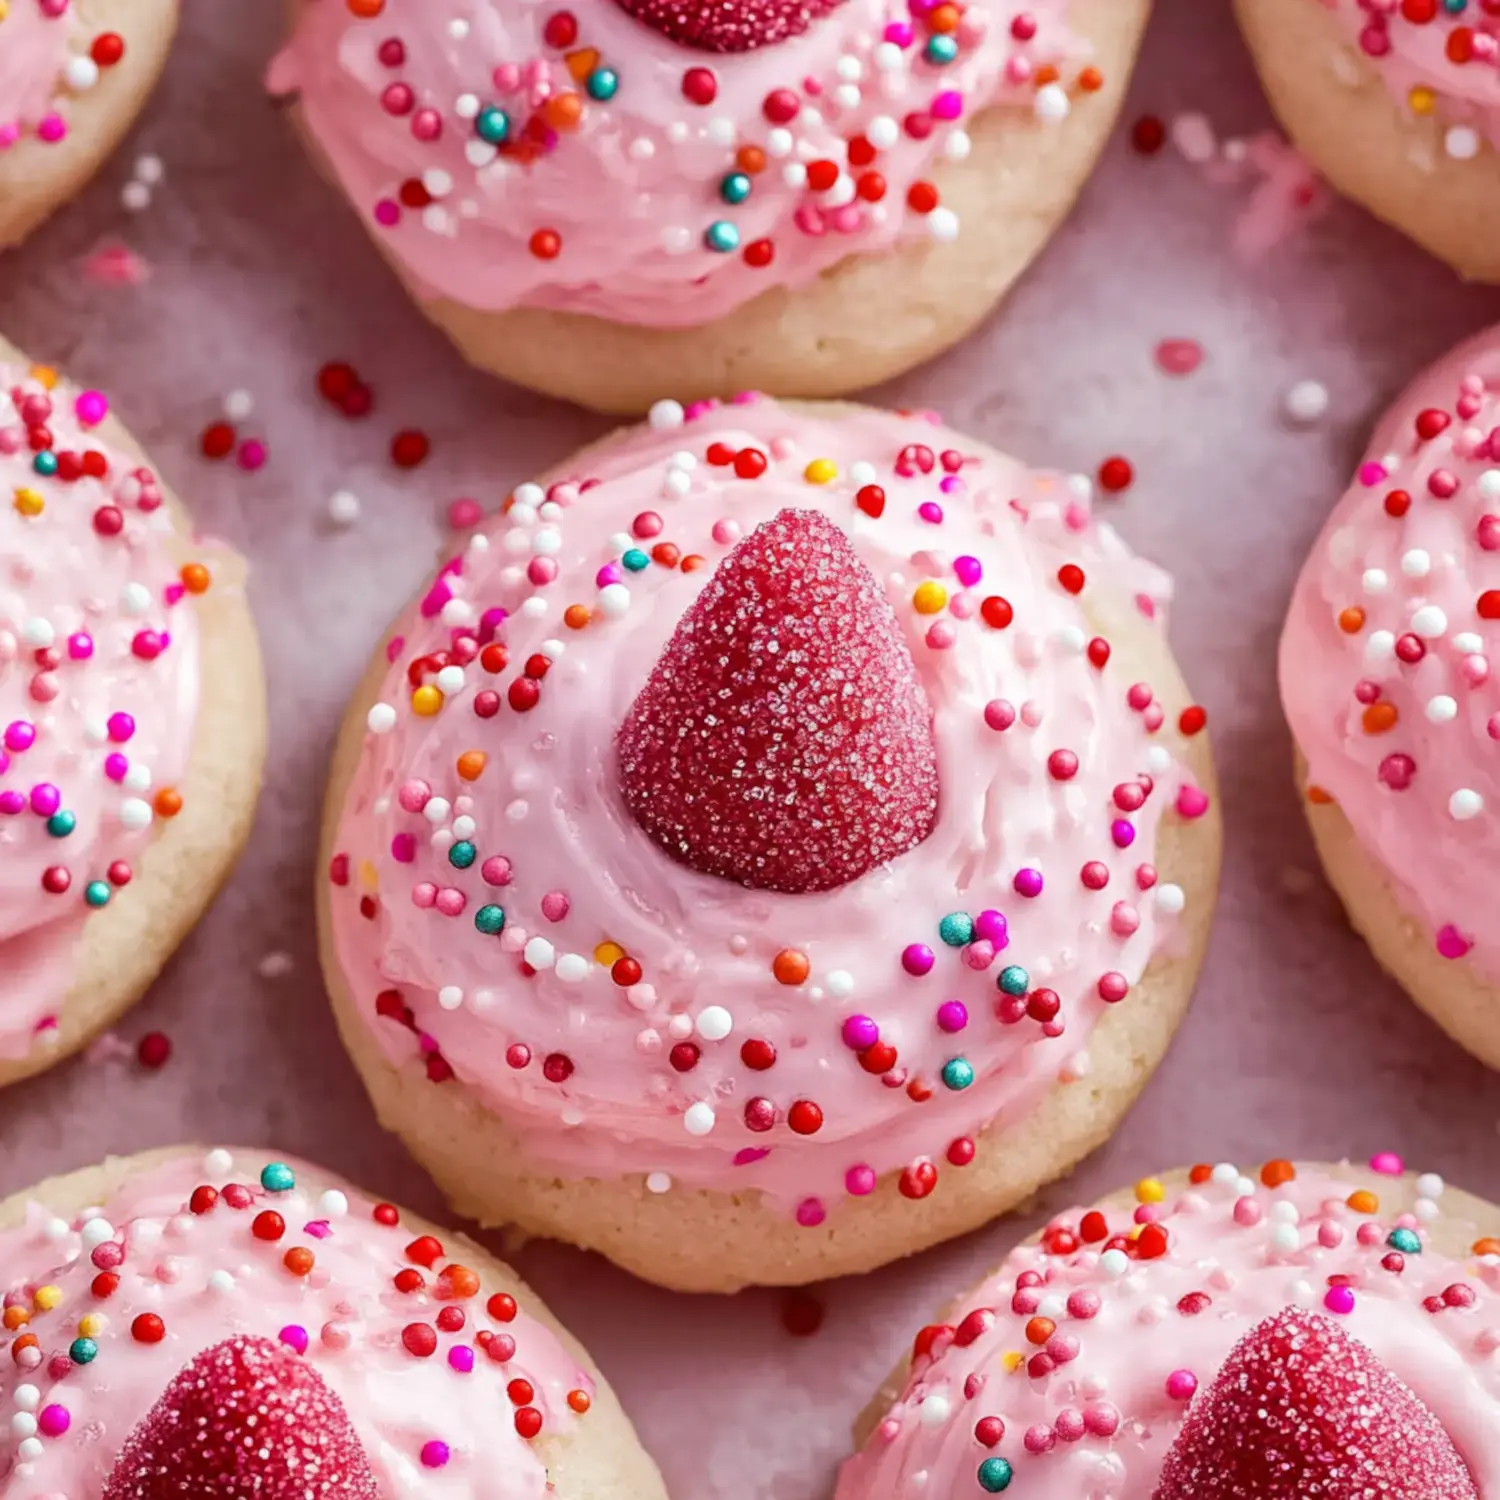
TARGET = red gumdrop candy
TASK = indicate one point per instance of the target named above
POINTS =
(245, 1420)
(784, 739)
(1301, 1410)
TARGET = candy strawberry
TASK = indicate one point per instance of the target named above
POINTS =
(784, 739)
(245, 1420)
(1301, 1411)
(728, 25)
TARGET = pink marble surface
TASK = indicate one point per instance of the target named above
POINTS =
(1296, 1044)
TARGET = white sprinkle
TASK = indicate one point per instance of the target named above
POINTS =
(1051, 103)
(221, 1282)
(547, 541)
(677, 239)
(1442, 708)
(1465, 803)
(450, 681)
(1416, 563)
(534, 607)
(1158, 760)
(572, 967)
(515, 812)
(381, 719)
(552, 649)
(1283, 1212)
(38, 633)
(464, 827)
(1429, 621)
(699, 1119)
(343, 507)
(135, 197)
(1461, 142)
(276, 965)
(1467, 642)
(334, 1204)
(1225, 1173)
(467, 106)
(1375, 580)
(457, 613)
(218, 1162)
(642, 148)
(436, 810)
(1286, 1238)
(888, 57)
(55, 1229)
(31, 1450)
(614, 600)
(658, 1182)
(680, 1027)
(539, 953)
(1489, 484)
(1425, 1208)
(935, 1410)
(883, 132)
(23, 1425)
(794, 175)
(676, 483)
(1306, 401)
(1380, 647)
(1114, 1263)
(28, 1397)
(840, 983)
(721, 131)
(942, 224)
(779, 142)
(714, 1023)
(96, 1231)
(450, 996)
(1430, 1185)
(862, 471)
(528, 496)
(81, 73)
(850, 68)
(149, 169)
(138, 778)
(958, 145)
(136, 814)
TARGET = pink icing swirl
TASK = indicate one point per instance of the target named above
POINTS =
(498, 911)
(99, 660)
(1143, 1322)
(1387, 653)
(185, 1243)
(45, 55)
(453, 130)
(1432, 56)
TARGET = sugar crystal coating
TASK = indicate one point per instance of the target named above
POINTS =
(784, 740)
(728, 25)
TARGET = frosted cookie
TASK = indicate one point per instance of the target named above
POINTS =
(73, 76)
(179, 1324)
(1398, 106)
(779, 843)
(1316, 1331)
(643, 198)
(1386, 678)
(132, 718)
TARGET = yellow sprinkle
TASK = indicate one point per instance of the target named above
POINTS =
(4, 9)
(91, 1325)
(29, 503)
(45, 376)
(608, 954)
(929, 598)
(369, 876)
(1422, 100)
(820, 471)
(1012, 1359)
(47, 1297)
(1150, 1190)
(427, 701)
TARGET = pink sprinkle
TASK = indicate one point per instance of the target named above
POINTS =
(1000, 715)
(1191, 802)
(294, 1336)
(1387, 1163)
(52, 128)
(1451, 943)
(496, 870)
(252, 455)
(461, 1358)
(1181, 1384)
(555, 905)
(1371, 474)
(859, 1181)
(1247, 1212)
(54, 1420)
(1179, 356)
(1339, 1299)
(465, 514)
(810, 1212)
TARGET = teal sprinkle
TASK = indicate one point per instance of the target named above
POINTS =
(83, 1351)
(956, 929)
(636, 560)
(1455, 7)
(490, 919)
(995, 1475)
(96, 893)
(735, 188)
(61, 823)
(277, 1177)
(722, 236)
(1014, 980)
(941, 49)
(957, 1073)
(1407, 1241)
(603, 83)
(492, 125)
(462, 855)
(45, 464)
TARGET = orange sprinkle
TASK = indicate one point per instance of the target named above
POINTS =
(692, 562)
(1486, 1246)
(1364, 1202)
(456, 1283)
(1091, 80)
(1200, 1174)
(1320, 798)
(195, 578)
(944, 19)
(576, 616)
(750, 159)
(1044, 75)
(168, 803)
(16, 1317)
(26, 1341)
(1352, 620)
(471, 764)
(563, 111)
(1277, 1172)
(579, 1401)
(1039, 1330)
(790, 967)
(1379, 717)
(582, 62)
(366, 10)
(45, 376)
(299, 1260)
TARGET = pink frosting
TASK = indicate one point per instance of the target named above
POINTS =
(631, 192)
(1386, 656)
(1448, 62)
(1138, 1335)
(1035, 862)
(98, 685)
(44, 55)
(206, 1275)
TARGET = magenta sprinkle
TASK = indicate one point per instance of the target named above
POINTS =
(952, 1016)
(1028, 882)
(294, 1336)
(860, 1032)
(917, 959)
